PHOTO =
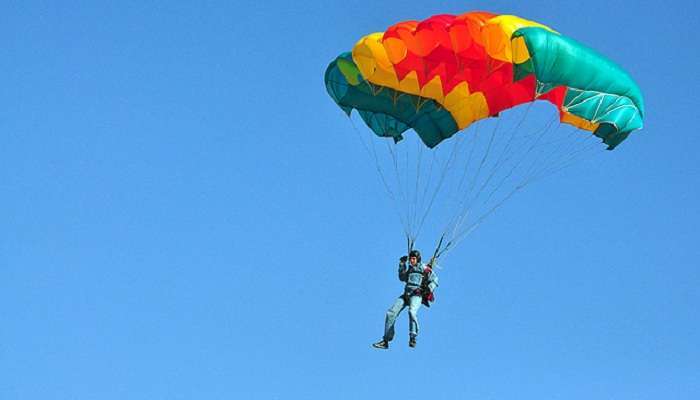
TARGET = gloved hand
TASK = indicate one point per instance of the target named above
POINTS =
(403, 259)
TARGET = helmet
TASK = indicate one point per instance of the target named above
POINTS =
(415, 253)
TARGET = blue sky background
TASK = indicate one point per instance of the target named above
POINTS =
(187, 215)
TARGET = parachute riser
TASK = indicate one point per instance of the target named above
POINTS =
(439, 250)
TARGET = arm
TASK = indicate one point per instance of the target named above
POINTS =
(403, 270)
(432, 279)
(432, 282)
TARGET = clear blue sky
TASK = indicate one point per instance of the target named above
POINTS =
(187, 215)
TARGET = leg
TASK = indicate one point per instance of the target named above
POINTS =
(413, 305)
(391, 315)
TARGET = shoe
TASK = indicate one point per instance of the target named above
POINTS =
(382, 344)
(412, 342)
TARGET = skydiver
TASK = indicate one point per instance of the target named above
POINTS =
(421, 281)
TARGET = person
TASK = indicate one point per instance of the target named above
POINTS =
(421, 281)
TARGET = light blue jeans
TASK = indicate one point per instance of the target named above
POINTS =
(413, 305)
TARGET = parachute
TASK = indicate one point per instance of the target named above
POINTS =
(441, 76)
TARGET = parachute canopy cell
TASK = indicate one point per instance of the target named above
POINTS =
(440, 75)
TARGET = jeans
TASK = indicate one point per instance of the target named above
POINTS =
(413, 303)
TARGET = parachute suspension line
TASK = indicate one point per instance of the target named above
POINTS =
(397, 175)
(421, 206)
(454, 159)
(469, 160)
(512, 133)
(407, 187)
(426, 189)
(482, 179)
(537, 166)
(402, 206)
(445, 169)
(463, 211)
(522, 184)
(517, 164)
(443, 174)
(373, 154)
(469, 189)
(419, 158)
(457, 234)
(505, 151)
(542, 133)
(454, 195)
(525, 181)
(540, 170)
(486, 155)
(440, 250)
(582, 145)
(450, 196)
(457, 220)
(576, 155)
(400, 188)
(464, 233)
(436, 253)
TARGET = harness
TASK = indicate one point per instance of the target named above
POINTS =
(417, 283)
(426, 294)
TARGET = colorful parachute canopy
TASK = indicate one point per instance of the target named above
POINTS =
(440, 75)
